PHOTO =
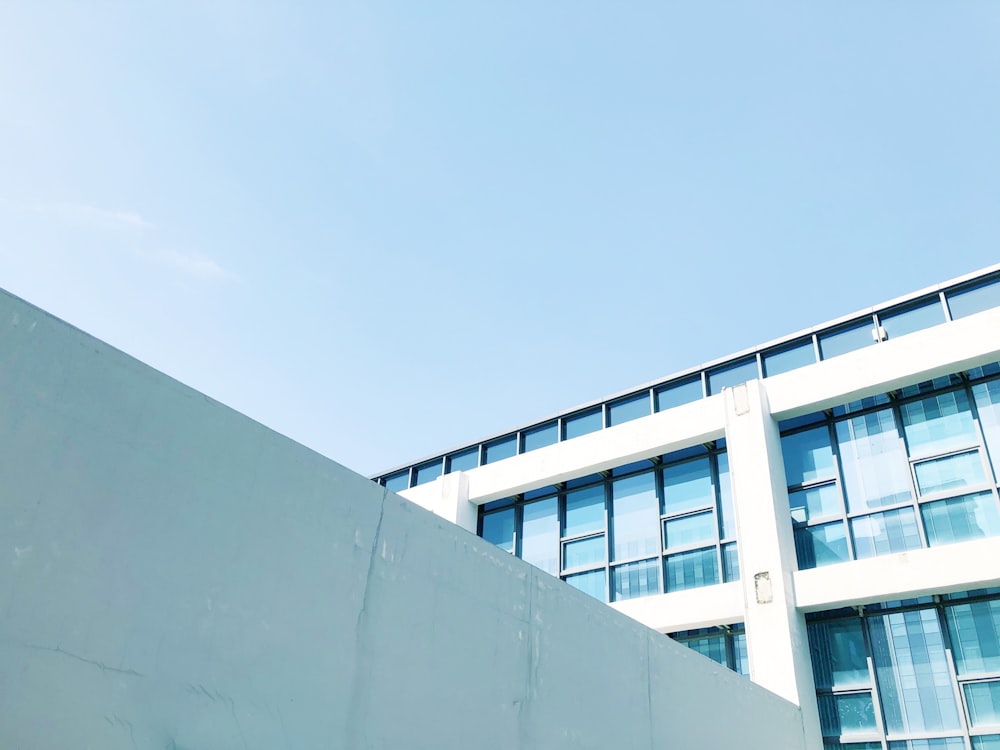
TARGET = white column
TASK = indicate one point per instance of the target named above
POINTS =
(777, 641)
(453, 502)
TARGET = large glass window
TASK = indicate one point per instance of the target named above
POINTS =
(678, 393)
(846, 339)
(912, 318)
(627, 409)
(974, 299)
(726, 645)
(789, 357)
(732, 374)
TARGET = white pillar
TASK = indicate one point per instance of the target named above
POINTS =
(777, 641)
(453, 502)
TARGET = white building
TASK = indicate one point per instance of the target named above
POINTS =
(819, 513)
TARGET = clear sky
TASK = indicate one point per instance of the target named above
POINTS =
(385, 229)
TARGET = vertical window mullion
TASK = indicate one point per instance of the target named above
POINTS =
(838, 467)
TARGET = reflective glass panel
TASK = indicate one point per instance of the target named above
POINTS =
(500, 449)
(636, 579)
(687, 570)
(847, 715)
(730, 562)
(828, 745)
(591, 582)
(539, 437)
(815, 503)
(912, 319)
(584, 511)
(986, 742)
(464, 461)
(808, 456)
(583, 423)
(789, 358)
(975, 636)
(687, 530)
(941, 743)
(635, 515)
(912, 672)
(628, 409)
(816, 546)
(498, 528)
(727, 516)
(949, 473)
(974, 299)
(839, 655)
(688, 486)
(398, 481)
(938, 424)
(847, 339)
(584, 552)
(987, 397)
(960, 518)
(876, 471)
(742, 658)
(427, 472)
(732, 374)
(983, 700)
(540, 534)
(712, 646)
(885, 533)
(681, 392)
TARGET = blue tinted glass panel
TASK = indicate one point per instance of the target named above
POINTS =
(847, 715)
(688, 530)
(628, 409)
(941, 743)
(730, 562)
(730, 375)
(876, 471)
(986, 742)
(583, 423)
(636, 579)
(852, 745)
(500, 449)
(950, 474)
(816, 546)
(741, 657)
(975, 636)
(815, 417)
(681, 392)
(540, 534)
(584, 552)
(688, 486)
(847, 339)
(539, 437)
(688, 570)
(427, 472)
(912, 671)
(727, 516)
(498, 528)
(885, 533)
(789, 358)
(635, 515)
(983, 700)
(987, 397)
(839, 655)
(620, 471)
(961, 518)
(712, 646)
(497, 504)
(912, 319)
(868, 402)
(983, 371)
(929, 386)
(938, 424)
(592, 582)
(398, 481)
(572, 484)
(973, 300)
(808, 456)
(584, 511)
(814, 503)
(540, 492)
(464, 461)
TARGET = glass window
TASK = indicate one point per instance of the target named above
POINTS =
(940, 743)
(950, 473)
(847, 339)
(500, 449)
(975, 636)
(591, 582)
(914, 318)
(730, 562)
(847, 715)
(727, 516)
(732, 374)
(687, 570)
(583, 423)
(678, 393)
(938, 424)
(885, 533)
(627, 409)
(974, 299)
(464, 460)
(983, 700)
(986, 742)
(961, 518)
(635, 579)
(634, 517)
(808, 456)
(814, 503)
(427, 472)
(789, 358)
(839, 655)
(540, 534)
(398, 481)
(584, 511)
(876, 471)
(688, 486)
(816, 546)
(584, 552)
(498, 528)
(689, 530)
(987, 397)
(539, 437)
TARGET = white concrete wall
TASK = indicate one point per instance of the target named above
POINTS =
(174, 575)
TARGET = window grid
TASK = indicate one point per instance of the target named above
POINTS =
(723, 644)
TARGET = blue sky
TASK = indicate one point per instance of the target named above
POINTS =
(388, 228)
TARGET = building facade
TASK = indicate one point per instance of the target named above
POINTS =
(820, 513)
